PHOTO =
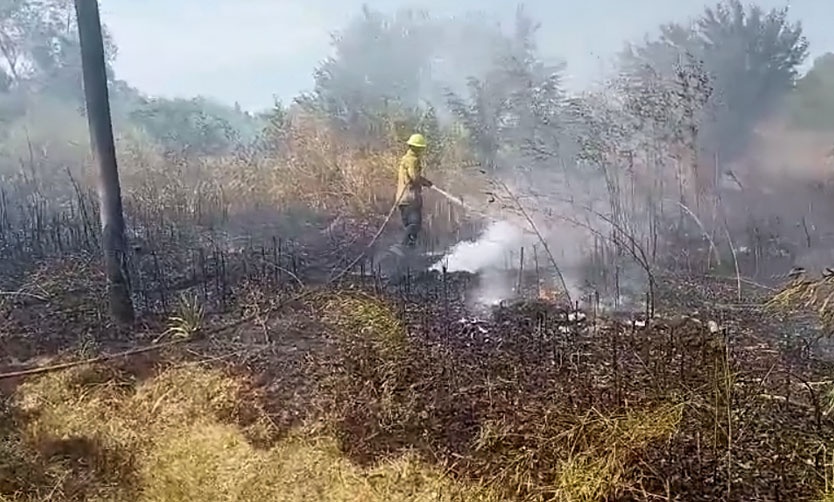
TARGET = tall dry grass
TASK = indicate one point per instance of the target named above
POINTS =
(312, 170)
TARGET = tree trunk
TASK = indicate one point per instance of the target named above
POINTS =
(104, 153)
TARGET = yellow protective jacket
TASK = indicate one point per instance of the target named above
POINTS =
(410, 179)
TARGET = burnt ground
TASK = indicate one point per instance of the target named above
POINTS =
(753, 384)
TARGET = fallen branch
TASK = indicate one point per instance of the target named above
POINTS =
(72, 364)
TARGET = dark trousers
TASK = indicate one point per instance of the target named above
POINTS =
(412, 216)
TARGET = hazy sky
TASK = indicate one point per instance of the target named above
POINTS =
(250, 50)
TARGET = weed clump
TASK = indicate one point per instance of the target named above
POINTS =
(565, 457)
(221, 465)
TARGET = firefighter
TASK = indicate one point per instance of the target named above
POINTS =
(410, 184)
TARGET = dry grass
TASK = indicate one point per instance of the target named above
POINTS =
(223, 466)
(362, 317)
(426, 425)
(828, 492)
(391, 394)
(605, 465)
(190, 433)
(314, 169)
(813, 294)
(373, 389)
(572, 458)
(93, 434)
(399, 418)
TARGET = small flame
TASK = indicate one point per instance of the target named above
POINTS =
(549, 294)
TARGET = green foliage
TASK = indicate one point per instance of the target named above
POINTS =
(750, 57)
(392, 75)
(273, 134)
(378, 66)
(40, 64)
(39, 47)
(812, 104)
(429, 126)
(517, 106)
(481, 118)
(192, 126)
(388, 68)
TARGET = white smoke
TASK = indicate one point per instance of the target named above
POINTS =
(487, 257)
(494, 257)
(555, 232)
(488, 252)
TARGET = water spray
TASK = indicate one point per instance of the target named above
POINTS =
(483, 254)
(458, 201)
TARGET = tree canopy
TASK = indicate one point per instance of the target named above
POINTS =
(384, 65)
(812, 106)
(723, 71)
(750, 58)
(39, 47)
(40, 57)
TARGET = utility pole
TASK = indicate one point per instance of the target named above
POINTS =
(104, 152)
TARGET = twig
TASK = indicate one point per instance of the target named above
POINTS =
(469, 208)
(783, 399)
(541, 238)
(106, 357)
(712, 245)
(23, 293)
(633, 248)
(735, 260)
(732, 246)
(376, 236)
(286, 271)
(745, 280)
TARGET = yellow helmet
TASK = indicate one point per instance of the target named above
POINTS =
(417, 141)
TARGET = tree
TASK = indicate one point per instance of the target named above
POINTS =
(39, 46)
(481, 114)
(812, 103)
(104, 151)
(429, 126)
(275, 132)
(378, 64)
(750, 57)
(191, 126)
(385, 67)
(516, 107)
